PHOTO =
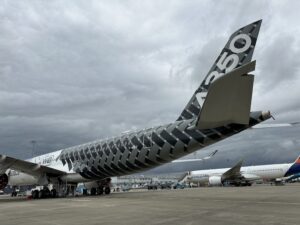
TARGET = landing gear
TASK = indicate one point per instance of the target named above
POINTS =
(99, 187)
(107, 190)
(14, 192)
(93, 191)
(44, 193)
(35, 194)
(100, 190)
(53, 193)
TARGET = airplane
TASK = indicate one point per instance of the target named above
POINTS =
(245, 176)
(218, 109)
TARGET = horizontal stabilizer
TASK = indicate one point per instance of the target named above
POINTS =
(228, 99)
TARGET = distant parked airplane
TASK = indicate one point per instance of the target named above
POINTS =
(245, 176)
(219, 108)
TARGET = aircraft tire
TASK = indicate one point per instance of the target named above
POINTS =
(35, 194)
(46, 193)
(41, 194)
(53, 193)
(100, 190)
(107, 190)
(93, 191)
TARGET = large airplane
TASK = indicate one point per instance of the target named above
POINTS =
(219, 108)
(245, 176)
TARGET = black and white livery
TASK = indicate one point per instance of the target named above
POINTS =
(219, 108)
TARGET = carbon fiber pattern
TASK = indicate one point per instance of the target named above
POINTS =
(137, 151)
(193, 107)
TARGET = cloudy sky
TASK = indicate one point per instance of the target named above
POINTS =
(75, 71)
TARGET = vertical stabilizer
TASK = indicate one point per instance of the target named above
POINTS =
(237, 52)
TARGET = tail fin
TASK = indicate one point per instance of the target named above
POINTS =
(294, 169)
(237, 52)
(297, 161)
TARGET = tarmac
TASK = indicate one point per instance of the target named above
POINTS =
(258, 204)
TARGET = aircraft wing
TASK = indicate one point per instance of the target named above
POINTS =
(234, 172)
(34, 169)
(196, 160)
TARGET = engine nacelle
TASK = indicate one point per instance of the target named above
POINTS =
(215, 180)
(3, 181)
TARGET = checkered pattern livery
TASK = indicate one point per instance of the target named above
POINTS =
(137, 151)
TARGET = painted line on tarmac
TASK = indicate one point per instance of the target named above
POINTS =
(258, 202)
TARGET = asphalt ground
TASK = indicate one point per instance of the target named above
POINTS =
(219, 205)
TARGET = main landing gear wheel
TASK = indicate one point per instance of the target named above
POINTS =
(53, 193)
(100, 190)
(41, 194)
(93, 191)
(35, 194)
(107, 190)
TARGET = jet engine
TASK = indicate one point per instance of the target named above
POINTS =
(215, 180)
(3, 181)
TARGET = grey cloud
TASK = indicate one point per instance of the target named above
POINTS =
(72, 72)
